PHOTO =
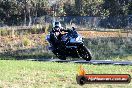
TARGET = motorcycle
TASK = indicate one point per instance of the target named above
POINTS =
(69, 44)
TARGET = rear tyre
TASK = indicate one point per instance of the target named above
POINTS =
(61, 57)
(84, 52)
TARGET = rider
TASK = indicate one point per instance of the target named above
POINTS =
(57, 28)
(56, 34)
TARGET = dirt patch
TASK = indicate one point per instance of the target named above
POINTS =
(95, 34)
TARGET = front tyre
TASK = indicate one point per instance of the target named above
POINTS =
(84, 52)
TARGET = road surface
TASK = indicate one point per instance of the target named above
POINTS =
(106, 62)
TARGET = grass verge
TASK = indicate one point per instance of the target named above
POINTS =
(29, 74)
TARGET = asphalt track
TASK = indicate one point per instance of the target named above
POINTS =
(98, 62)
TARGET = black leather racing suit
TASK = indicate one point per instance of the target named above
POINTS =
(56, 40)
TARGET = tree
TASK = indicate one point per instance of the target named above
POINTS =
(70, 10)
(116, 7)
(130, 8)
(12, 11)
(92, 7)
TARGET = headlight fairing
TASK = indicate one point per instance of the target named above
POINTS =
(79, 39)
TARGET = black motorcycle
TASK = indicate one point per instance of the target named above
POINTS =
(69, 44)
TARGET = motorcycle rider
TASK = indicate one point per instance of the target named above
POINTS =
(55, 33)
(57, 29)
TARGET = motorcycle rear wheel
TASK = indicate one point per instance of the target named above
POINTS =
(61, 57)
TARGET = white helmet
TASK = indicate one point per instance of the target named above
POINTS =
(57, 24)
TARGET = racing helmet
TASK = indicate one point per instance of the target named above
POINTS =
(57, 24)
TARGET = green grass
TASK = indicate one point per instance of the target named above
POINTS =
(36, 56)
(29, 74)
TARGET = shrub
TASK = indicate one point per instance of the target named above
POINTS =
(33, 31)
(119, 33)
(50, 27)
(4, 32)
(26, 41)
(43, 37)
(47, 28)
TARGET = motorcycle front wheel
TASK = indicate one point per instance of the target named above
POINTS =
(84, 52)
